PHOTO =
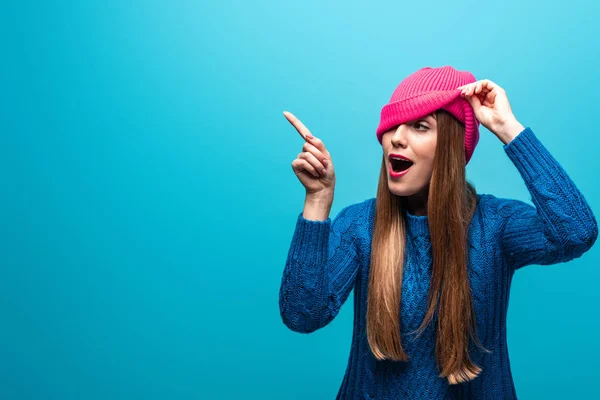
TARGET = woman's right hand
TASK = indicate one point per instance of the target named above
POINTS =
(313, 165)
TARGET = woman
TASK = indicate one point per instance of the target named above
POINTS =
(430, 260)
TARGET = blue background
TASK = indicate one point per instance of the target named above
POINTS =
(147, 200)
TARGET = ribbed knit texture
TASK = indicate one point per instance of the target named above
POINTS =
(328, 259)
(425, 91)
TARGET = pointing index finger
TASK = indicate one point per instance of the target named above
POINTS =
(305, 133)
(302, 130)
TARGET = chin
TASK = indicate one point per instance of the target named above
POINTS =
(400, 189)
(404, 190)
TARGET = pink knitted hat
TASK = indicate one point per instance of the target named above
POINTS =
(427, 90)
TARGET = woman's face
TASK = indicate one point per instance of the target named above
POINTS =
(415, 140)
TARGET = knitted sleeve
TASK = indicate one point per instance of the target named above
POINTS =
(561, 226)
(320, 270)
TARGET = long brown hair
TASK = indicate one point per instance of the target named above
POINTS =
(451, 203)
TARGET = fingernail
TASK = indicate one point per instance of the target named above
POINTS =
(323, 171)
(309, 136)
(325, 162)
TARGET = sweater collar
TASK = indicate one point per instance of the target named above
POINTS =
(417, 225)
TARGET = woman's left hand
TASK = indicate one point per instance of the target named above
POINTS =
(492, 109)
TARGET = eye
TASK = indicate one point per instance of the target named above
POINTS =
(419, 124)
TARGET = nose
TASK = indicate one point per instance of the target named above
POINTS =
(399, 136)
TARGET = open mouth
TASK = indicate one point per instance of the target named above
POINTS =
(399, 165)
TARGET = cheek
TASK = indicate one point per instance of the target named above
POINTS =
(431, 146)
(426, 150)
(426, 158)
(428, 170)
(424, 170)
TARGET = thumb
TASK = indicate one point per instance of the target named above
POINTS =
(475, 102)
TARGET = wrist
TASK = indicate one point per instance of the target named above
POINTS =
(321, 197)
(318, 206)
(509, 130)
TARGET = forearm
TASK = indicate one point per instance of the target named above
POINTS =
(321, 266)
(562, 218)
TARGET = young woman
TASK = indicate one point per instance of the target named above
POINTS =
(430, 260)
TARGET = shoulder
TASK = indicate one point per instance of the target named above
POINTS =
(355, 219)
(358, 210)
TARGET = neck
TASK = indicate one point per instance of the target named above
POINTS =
(416, 204)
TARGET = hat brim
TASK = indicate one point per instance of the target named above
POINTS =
(405, 110)
(396, 113)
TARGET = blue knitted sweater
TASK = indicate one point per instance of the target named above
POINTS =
(328, 259)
